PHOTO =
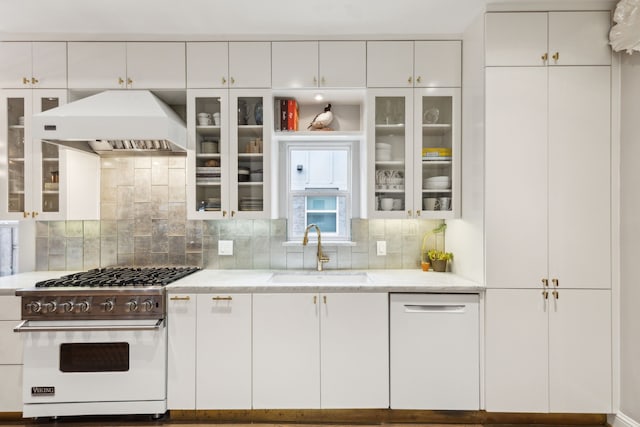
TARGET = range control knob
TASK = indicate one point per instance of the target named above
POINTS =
(84, 306)
(108, 305)
(133, 305)
(51, 306)
(67, 306)
(147, 305)
(35, 306)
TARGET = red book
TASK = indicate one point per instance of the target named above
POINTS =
(290, 114)
(295, 115)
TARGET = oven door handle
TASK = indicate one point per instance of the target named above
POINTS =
(24, 326)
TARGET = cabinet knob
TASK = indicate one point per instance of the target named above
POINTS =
(233, 81)
(418, 79)
(418, 213)
(129, 82)
(556, 56)
(233, 213)
(224, 81)
(545, 57)
(545, 294)
(545, 282)
(556, 294)
(25, 214)
(324, 299)
(34, 214)
(120, 81)
(322, 81)
(25, 81)
(315, 299)
(315, 80)
(555, 282)
(409, 213)
(34, 81)
(224, 213)
(410, 79)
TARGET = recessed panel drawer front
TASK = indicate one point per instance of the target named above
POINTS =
(9, 308)
(11, 348)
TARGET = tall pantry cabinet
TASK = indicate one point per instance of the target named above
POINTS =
(547, 206)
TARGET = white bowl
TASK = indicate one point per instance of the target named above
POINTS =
(443, 178)
(436, 185)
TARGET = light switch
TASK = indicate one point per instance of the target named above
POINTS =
(381, 247)
(225, 247)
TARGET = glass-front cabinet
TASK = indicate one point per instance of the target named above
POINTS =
(29, 169)
(228, 155)
(414, 144)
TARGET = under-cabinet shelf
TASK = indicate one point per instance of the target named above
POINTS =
(208, 130)
(437, 191)
(436, 162)
(436, 129)
(390, 162)
(250, 184)
(208, 184)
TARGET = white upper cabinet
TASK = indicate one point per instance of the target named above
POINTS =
(312, 64)
(156, 65)
(120, 65)
(541, 38)
(33, 65)
(249, 64)
(438, 63)
(414, 64)
(390, 64)
(207, 65)
(97, 65)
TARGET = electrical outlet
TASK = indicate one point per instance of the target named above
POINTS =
(225, 247)
(381, 247)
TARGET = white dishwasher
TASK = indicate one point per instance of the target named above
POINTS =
(434, 351)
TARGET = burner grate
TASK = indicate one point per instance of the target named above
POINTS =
(120, 277)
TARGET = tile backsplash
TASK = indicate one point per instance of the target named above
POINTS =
(144, 222)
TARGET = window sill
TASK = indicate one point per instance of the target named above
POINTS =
(328, 243)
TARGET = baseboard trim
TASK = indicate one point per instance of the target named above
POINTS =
(386, 416)
(622, 420)
(10, 416)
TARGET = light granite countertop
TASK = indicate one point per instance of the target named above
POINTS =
(272, 281)
(9, 284)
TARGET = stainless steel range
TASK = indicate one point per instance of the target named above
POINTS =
(95, 342)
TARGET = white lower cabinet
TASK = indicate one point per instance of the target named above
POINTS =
(435, 360)
(181, 357)
(10, 355)
(320, 351)
(223, 354)
(546, 353)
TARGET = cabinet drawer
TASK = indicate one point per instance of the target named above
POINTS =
(11, 348)
(11, 388)
(9, 308)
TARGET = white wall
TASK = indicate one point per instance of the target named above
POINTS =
(465, 235)
(630, 238)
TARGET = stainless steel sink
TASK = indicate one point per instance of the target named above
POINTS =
(320, 277)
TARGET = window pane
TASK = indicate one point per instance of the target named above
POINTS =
(321, 203)
(326, 221)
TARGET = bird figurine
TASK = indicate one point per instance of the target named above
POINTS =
(322, 120)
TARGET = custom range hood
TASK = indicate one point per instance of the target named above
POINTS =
(114, 122)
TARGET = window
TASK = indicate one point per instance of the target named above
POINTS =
(320, 188)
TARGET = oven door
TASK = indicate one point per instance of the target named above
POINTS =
(93, 361)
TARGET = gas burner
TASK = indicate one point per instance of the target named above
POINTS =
(120, 277)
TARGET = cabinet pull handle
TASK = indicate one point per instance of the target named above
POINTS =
(25, 214)
(555, 282)
(324, 299)
(233, 213)
(224, 213)
(410, 79)
(545, 282)
(418, 79)
(556, 56)
(233, 81)
(545, 294)
(315, 299)
(120, 81)
(556, 294)
(187, 298)
(322, 81)
(222, 298)
(224, 81)
(545, 57)
(34, 214)
(25, 81)
(315, 80)
(409, 213)
(34, 81)
(418, 213)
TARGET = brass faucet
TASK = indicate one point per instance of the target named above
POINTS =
(321, 258)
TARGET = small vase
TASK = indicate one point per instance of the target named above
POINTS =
(439, 265)
(257, 113)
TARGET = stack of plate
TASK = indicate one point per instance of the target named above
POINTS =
(213, 204)
(251, 204)
(383, 151)
(437, 183)
(243, 174)
(207, 174)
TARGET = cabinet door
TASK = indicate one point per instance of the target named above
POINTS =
(15, 67)
(343, 64)
(437, 152)
(579, 128)
(156, 65)
(354, 361)
(16, 154)
(579, 38)
(207, 64)
(181, 351)
(11, 349)
(516, 177)
(390, 121)
(250, 64)
(11, 388)
(99, 65)
(249, 155)
(516, 351)
(580, 352)
(516, 38)
(390, 64)
(294, 64)
(286, 351)
(49, 65)
(438, 64)
(224, 352)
